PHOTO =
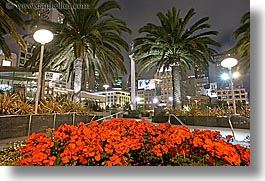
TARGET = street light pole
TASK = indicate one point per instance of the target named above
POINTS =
(232, 89)
(41, 36)
(229, 63)
(39, 79)
(189, 99)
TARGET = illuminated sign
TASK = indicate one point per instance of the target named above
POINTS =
(52, 76)
(117, 83)
(146, 84)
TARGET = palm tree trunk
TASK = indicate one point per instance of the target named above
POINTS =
(78, 78)
(176, 82)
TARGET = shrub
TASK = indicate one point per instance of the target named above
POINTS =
(14, 105)
(129, 142)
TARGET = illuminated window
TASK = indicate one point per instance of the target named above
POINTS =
(6, 63)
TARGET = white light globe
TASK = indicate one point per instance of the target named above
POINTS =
(43, 36)
(236, 75)
(225, 76)
(170, 99)
(155, 100)
(229, 62)
(106, 86)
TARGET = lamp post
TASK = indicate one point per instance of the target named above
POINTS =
(229, 63)
(189, 99)
(41, 36)
(106, 91)
(196, 103)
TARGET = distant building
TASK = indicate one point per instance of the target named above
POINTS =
(164, 88)
(7, 62)
(145, 98)
(210, 90)
(192, 82)
(226, 95)
(116, 97)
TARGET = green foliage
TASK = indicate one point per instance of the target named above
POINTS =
(91, 35)
(175, 42)
(10, 20)
(242, 47)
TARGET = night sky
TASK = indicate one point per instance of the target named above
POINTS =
(224, 17)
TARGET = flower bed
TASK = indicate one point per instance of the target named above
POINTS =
(127, 142)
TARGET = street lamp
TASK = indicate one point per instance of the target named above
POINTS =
(41, 36)
(106, 91)
(189, 99)
(196, 102)
(229, 63)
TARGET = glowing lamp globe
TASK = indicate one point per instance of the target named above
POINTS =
(106, 86)
(229, 62)
(43, 36)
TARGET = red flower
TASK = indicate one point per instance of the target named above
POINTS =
(121, 142)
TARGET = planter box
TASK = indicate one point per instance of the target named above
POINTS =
(208, 121)
(160, 119)
(14, 126)
(39, 123)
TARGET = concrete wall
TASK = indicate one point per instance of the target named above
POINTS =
(21, 125)
(209, 121)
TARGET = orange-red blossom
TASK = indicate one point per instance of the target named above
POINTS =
(111, 143)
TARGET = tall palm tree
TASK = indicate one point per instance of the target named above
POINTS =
(242, 47)
(174, 44)
(10, 19)
(89, 39)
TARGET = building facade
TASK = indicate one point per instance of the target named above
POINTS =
(241, 95)
(145, 99)
(192, 82)
(118, 98)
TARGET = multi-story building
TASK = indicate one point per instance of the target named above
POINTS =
(194, 85)
(118, 98)
(164, 89)
(7, 62)
(210, 90)
(226, 95)
(192, 82)
(145, 98)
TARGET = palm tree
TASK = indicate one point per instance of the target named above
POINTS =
(10, 19)
(173, 44)
(242, 47)
(89, 39)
